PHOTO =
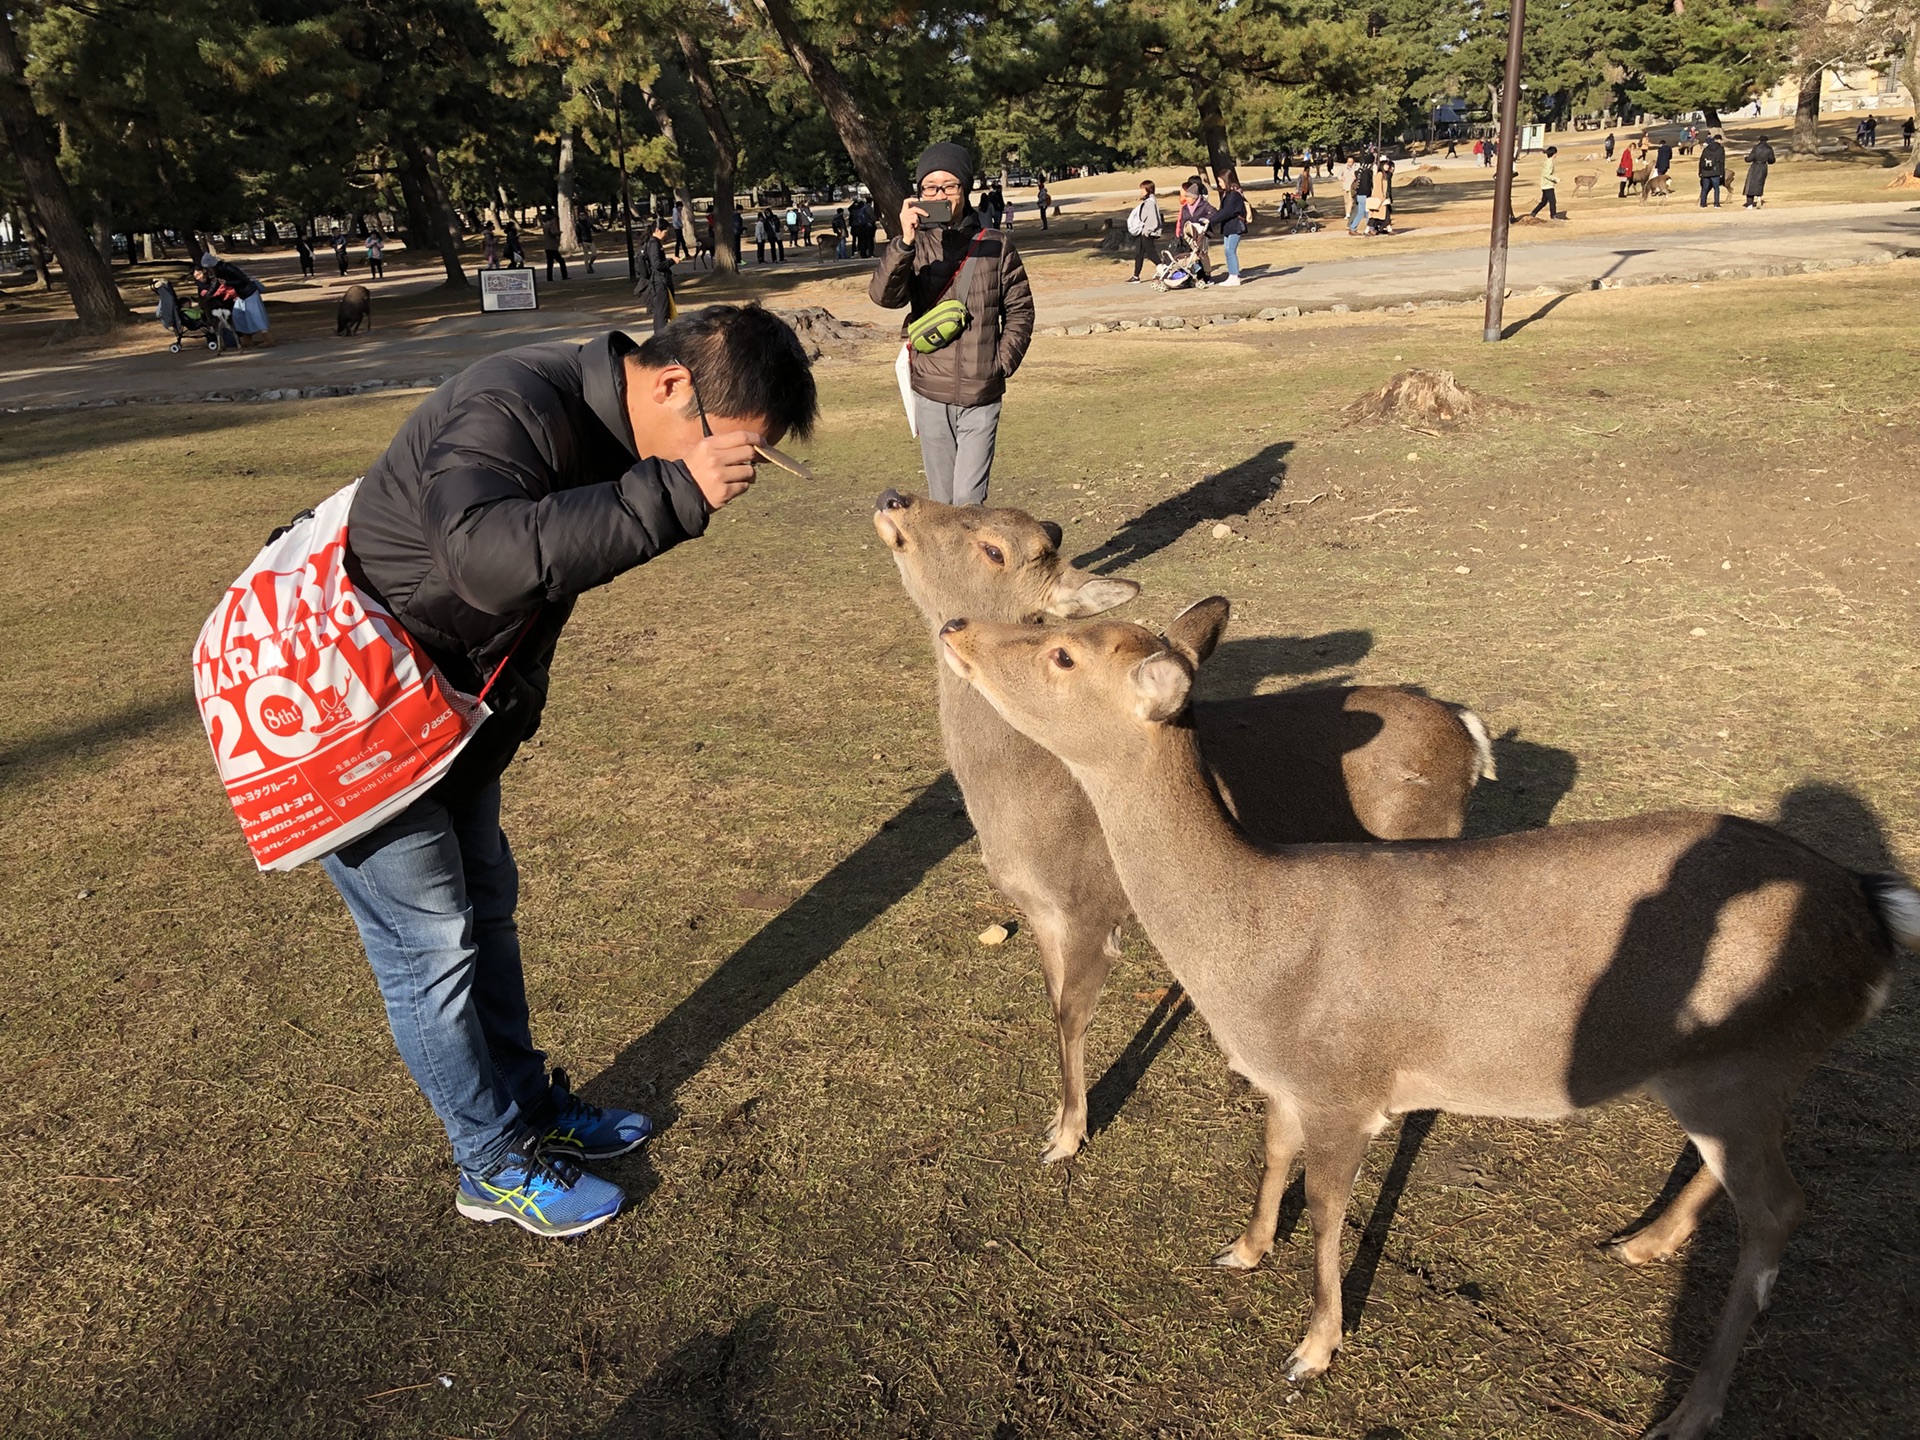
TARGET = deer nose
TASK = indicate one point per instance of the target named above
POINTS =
(953, 625)
(891, 500)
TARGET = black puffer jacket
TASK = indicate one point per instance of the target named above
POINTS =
(514, 488)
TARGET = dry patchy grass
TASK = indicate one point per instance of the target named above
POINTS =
(750, 899)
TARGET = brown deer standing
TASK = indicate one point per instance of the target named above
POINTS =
(1356, 763)
(1707, 959)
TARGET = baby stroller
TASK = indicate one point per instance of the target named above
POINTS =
(1181, 267)
(190, 317)
(1296, 214)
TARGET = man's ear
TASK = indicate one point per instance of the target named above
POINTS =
(1197, 629)
(1161, 684)
(1076, 594)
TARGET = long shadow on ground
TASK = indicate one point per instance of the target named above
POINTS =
(1233, 491)
(1835, 1353)
(844, 901)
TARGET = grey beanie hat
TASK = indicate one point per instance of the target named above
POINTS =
(947, 156)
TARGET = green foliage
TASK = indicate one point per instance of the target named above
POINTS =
(206, 113)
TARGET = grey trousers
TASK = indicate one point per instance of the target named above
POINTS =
(956, 446)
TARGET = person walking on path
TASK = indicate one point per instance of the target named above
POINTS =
(1906, 134)
(840, 233)
(793, 224)
(1758, 159)
(957, 387)
(303, 247)
(1549, 181)
(1233, 223)
(1043, 197)
(679, 229)
(1145, 225)
(550, 244)
(490, 246)
(656, 276)
(1608, 144)
(516, 253)
(1358, 175)
(583, 231)
(1346, 192)
(532, 477)
(1713, 170)
(1625, 170)
(340, 251)
(376, 255)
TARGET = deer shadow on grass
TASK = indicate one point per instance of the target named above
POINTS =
(711, 1386)
(1237, 490)
(867, 883)
(1835, 1352)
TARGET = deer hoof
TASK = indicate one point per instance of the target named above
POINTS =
(1060, 1146)
(1685, 1423)
(1636, 1251)
(1239, 1256)
(1307, 1362)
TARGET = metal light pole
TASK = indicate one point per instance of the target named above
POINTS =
(1503, 173)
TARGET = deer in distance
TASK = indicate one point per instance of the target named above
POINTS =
(1707, 960)
(1349, 763)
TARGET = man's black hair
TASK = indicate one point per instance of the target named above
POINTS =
(747, 362)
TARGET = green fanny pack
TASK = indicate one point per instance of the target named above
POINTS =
(938, 327)
(947, 319)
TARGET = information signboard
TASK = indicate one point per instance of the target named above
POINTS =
(508, 290)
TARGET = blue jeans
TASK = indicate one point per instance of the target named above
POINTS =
(1233, 254)
(1709, 183)
(1358, 222)
(433, 893)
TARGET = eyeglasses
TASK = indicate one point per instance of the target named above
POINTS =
(694, 385)
(933, 192)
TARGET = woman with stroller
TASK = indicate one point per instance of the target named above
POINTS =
(1196, 216)
(1145, 225)
(1234, 216)
(224, 284)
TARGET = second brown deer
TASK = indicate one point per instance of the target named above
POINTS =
(1352, 763)
(1706, 959)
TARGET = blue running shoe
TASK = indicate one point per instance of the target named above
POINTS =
(547, 1194)
(590, 1131)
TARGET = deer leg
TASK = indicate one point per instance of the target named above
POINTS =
(1672, 1227)
(1333, 1161)
(1284, 1137)
(1744, 1152)
(1075, 958)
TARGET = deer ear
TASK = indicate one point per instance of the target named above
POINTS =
(1076, 594)
(1054, 533)
(1197, 629)
(1161, 684)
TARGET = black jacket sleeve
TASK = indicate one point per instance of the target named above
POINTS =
(502, 549)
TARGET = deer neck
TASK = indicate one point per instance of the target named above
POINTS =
(1197, 884)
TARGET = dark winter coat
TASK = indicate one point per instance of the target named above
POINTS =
(1233, 213)
(1758, 159)
(973, 370)
(511, 490)
(1713, 160)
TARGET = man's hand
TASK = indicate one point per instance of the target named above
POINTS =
(910, 217)
(722, 465)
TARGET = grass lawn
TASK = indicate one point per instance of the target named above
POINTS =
(1682, 570)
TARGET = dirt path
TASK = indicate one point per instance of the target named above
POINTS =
(416, 342)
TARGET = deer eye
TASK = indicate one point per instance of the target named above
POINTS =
(993, 554)
(1061, 659)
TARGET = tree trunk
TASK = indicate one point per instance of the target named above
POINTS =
(858, 134)
(443, 225)
(1806, 113)
(1213, 129)
(663, 121)
(413, 196)
(563, 185)
(726, 258)
(90, 283)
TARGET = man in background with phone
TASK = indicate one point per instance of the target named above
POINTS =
(957, 372)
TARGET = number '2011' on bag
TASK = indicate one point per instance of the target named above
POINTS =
(326, 717)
